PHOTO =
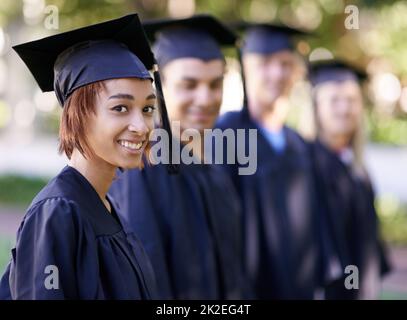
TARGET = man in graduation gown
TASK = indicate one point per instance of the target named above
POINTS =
(278, 199)
(348, 218)
(191, 232)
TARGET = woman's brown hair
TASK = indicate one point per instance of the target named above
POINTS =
(76, 111)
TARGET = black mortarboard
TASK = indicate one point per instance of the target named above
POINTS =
(266, 38)
(199, 36)
(113, 49)
(334, 70)
(64, 62)
(263, 38)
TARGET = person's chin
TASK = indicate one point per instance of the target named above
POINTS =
(203, 123)
(270, 104)
(274, 93)
(201, 126)
(339, 132)
(135, 163)
(345, 128)
(139, 165)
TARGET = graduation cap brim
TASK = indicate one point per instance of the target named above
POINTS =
(222, 34)
(245, 25)
(318, 66)
(40, 55)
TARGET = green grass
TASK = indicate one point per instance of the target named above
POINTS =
(5, 246)
(392, 295)
(18, 190)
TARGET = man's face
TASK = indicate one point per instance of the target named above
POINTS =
(339, 107)
(269, 76)
(193, 91)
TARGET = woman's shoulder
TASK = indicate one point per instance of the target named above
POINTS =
(63, 186)
(58, 200)
(55, 212)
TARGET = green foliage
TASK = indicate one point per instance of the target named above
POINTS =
(18, 190)
(382, 33)
(393, 219)
(386, 129)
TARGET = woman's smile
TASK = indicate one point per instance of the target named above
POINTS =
(132, 146)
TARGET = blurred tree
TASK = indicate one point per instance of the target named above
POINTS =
(378, 44)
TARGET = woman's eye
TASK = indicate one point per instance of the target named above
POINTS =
(120, 108)
(189, 85)
(148, 109)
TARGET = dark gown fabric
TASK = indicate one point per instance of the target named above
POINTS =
(279, 215)
(349, 224)
(191, 233)
(68, 226)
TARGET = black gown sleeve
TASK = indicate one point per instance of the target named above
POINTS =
(44, 260)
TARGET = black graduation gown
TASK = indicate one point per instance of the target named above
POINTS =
(280, 233)
(191, 233)
(67, 226)
(349, 224)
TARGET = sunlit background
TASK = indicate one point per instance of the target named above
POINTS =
(29, 118)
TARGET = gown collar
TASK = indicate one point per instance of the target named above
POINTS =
(103, 222)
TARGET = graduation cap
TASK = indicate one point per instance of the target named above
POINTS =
(266, 38)
(199, 36)
(66, 61)
(263, 38)
(109, 50)
(334, 70)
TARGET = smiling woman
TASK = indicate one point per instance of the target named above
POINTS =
(110, 115)
(72, 243)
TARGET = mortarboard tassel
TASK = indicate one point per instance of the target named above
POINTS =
(172, 168)
(239, 57)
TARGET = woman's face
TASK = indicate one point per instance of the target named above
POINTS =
(339, 107)
(118, 132)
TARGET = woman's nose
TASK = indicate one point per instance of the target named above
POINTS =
(138, 125)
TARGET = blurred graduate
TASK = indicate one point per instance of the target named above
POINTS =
(192, 233)
(280, 233)
(71, 243)
(349, 221)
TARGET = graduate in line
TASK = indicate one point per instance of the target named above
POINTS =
(192, 233)
(349, 220)
(71, 243)
(279, 203)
